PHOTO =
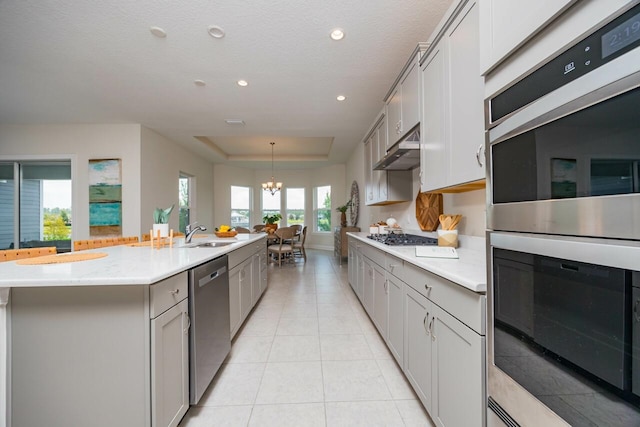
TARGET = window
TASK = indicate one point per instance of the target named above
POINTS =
(323, 209)
(43, 198)
(185, 200)
(240, 206)
(295, 206)
(271, 203)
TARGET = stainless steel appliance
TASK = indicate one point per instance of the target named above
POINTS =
(564, 156)
(404, 155)
(209, 336)
(563, 214)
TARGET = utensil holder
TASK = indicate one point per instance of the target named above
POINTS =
(448, 238)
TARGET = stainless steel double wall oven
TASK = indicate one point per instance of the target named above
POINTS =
(564, 235)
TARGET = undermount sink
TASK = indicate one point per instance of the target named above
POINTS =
(207, 245)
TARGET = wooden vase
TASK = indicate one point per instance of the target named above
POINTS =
(272, 227)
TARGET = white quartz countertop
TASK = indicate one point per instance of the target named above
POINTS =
(123, 265)
(469, 270)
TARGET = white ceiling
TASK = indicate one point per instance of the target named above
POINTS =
(95, 61)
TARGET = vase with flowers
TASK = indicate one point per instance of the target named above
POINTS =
(270, 221)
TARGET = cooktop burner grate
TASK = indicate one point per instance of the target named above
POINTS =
(402, 239)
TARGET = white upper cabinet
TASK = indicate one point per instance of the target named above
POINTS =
(403, 100)
(452, 114)
(507, 24)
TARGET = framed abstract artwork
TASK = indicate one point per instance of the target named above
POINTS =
(105, 197)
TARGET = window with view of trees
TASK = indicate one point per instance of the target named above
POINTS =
(240, 206)
(322, 209)
(43, 198)
(184, 197)
(295, 206)
(271, 203)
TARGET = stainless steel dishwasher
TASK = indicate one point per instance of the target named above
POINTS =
(209, 337)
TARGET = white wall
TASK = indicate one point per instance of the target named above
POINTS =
(471, 204)
(162, 162)
(81, 143)
(226, 175)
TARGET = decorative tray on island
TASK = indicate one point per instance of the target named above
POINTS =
(231, 233)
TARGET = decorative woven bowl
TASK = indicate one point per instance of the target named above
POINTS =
(231, 233)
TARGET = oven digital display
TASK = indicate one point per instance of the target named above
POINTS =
(621, 36)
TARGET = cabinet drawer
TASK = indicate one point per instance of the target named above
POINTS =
(241, 254)
(467, 306)
(167, 293)
(373, 254)
(394, 266)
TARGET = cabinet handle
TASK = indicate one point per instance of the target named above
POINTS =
(186, 330)
(176, 292)
(392, 266)
(420, 175)
(386, 284)
(424, 323)
(433, 336)
(427, 287)
(400, 126)
(478, 155)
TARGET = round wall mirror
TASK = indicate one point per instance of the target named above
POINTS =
(355, 203)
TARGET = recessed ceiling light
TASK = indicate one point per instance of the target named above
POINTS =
(341, 97)
(243, 83)
(337, 34)
(237, 122)
(215, 31)
(158, 32)
(199, 82)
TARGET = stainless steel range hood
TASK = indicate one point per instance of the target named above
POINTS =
(404, 155)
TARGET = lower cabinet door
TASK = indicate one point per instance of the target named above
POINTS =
(367, 285)
(235, 314)
(380, 301)
(395, 335)
(245, 289)
(457, 372)
(255, 279)
(418, 312)
(170, 366)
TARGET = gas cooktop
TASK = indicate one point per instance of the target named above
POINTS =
(402, 239)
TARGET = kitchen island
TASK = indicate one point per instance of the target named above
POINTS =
(96, 342)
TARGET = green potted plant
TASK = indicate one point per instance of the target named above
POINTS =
(161, 221)
(343, 213)
(270, 221)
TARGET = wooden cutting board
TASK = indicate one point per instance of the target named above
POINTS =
(428, 210)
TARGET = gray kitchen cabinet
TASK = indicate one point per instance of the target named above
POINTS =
(403, 100)
(395, 333)
(247, 281)
(380, 300)
(383, 187)
(115, 355)
(508, 24)
(352, 267)
(457, 372)
(435, 330)
(418, 311)
(367, 285)
(170, 365)
(453, 115)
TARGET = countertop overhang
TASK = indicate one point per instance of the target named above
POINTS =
(468, 271)
(123, 265)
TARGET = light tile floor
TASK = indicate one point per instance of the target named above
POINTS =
(308, 355)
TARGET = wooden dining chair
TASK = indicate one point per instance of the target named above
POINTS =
(242, 230)
(297, 228)
(258, 228)
(15, 254)
(298, 246)
(284, 247)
